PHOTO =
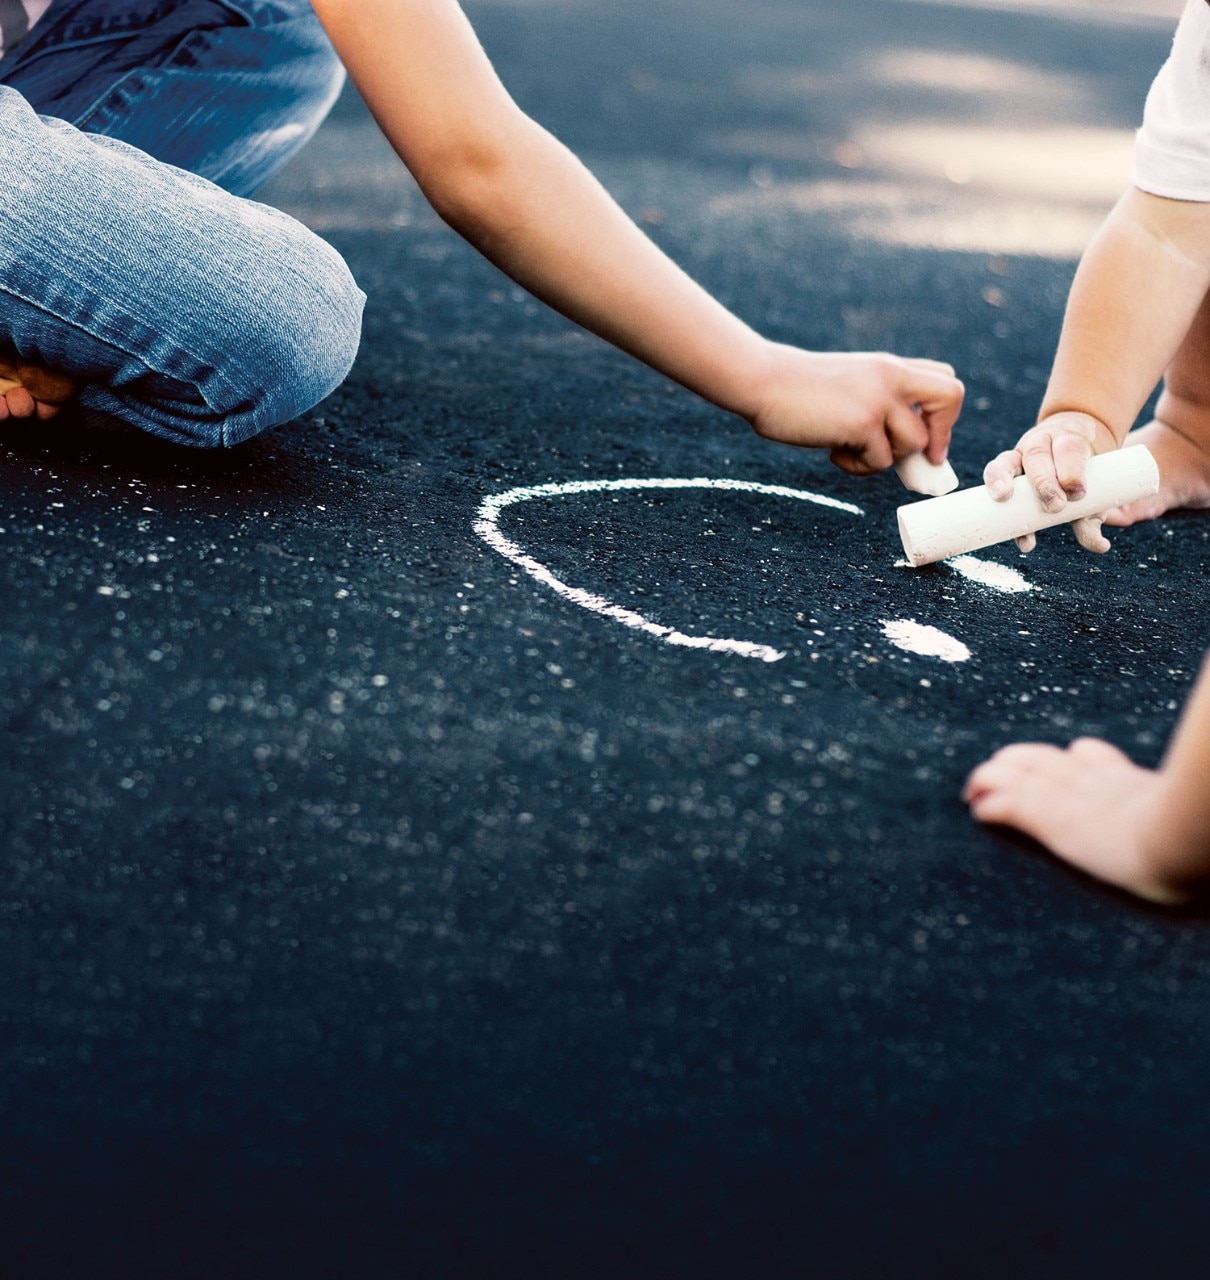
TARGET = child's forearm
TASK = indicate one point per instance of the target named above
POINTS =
(529, 205)
(543, 219)
(526, 202)
(1137, 289)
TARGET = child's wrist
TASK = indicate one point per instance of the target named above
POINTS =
(1175, 848)
(753, 370)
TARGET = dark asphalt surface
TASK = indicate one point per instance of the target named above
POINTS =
(370, 911)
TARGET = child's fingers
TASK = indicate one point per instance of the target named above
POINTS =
(1070, 453)
(20, 403)
(933, 387)
(1017, 757)
(934, 366)
(990, 779)
(1005, 789)
(1040, 762)
(1089, 536)
(852, 462)
(46, 384)
(1038, 462)
(906, 431)
(28, 391)
(1008, 806)
(1096, 752)
(939, 422)
(1000, 473)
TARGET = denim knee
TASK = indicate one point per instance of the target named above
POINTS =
(262, 349)
(287, 356)
(177, 307)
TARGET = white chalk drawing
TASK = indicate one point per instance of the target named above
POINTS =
(906, 634)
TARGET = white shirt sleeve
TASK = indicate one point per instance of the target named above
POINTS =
(1172, 149)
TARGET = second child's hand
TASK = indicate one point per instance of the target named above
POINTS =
(1139, 286)
(1052, 456)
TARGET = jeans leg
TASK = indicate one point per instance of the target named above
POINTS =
(228, 89)
(180, 308)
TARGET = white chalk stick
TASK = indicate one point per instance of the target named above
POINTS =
(950, 526)
(922, 476)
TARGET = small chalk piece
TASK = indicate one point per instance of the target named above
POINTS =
(922, 476)
(951, 526)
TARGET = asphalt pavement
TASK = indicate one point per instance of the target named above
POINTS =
(399, 885)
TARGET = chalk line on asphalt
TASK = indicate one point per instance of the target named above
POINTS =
(906, 634)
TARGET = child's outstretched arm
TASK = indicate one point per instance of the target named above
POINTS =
(1147, 832)
(529, 205)
(1137, 290)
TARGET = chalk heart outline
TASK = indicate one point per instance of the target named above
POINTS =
(487, 526)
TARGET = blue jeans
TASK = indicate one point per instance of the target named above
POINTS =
(129, 257)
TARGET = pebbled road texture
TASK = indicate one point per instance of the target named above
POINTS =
(369, 910)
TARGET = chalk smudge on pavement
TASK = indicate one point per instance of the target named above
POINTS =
(987, 573)
(928, 642)
(487, 526)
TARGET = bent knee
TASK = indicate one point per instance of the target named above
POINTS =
(265, 322)
(294, 348)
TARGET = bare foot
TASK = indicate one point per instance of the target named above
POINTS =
(1184, 465)
(1089, 805)
(31, 391)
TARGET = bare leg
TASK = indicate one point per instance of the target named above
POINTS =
(1146, 832)
(1179, 436)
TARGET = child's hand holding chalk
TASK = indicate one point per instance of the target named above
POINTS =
(962, 522)
(869, 409)
(1053, 456)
